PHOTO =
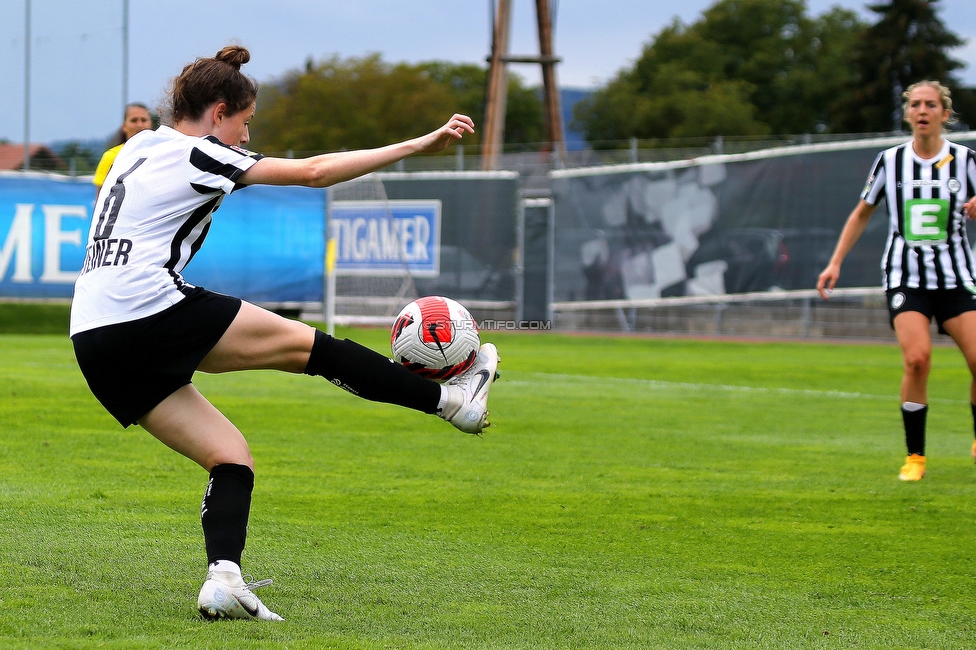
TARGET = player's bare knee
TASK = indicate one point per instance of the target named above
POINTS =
(918, 363)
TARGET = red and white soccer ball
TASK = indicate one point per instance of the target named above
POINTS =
(435, 337)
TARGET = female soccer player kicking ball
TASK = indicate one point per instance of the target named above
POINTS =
(140, 330)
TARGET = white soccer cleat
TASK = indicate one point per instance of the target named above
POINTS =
(467, 396)
(225, 594)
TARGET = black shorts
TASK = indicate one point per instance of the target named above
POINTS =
(132, 367)
(941, 304)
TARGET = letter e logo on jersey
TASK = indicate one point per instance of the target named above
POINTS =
(954, 185)
(926, 221)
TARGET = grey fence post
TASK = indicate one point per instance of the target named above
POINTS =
(806, 318)
(520, 257)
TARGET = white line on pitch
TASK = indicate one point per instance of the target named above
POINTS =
(664, 385)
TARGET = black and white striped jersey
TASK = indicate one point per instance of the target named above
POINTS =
(151, 217)
(927, 246)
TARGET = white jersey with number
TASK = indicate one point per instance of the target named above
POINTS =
(151, 217)
(927, 245)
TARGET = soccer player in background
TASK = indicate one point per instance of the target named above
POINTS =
(136, 119)
(140, 330)
(928, 270)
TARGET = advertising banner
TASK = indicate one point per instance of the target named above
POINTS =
(738, 223)
(44, 223)
(387, 237)
(266, 243)
(478, 230)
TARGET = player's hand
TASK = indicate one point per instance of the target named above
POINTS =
(827, 280)
(450, 133)
(970, 208)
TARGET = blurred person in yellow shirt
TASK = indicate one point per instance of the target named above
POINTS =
(137, 118)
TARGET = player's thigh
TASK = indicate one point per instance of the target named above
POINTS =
(189, 424)
(962, 329)
(260, 339)
(914, 336)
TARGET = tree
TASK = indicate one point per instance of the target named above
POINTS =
(364, 102)
(353, 104)
(466, 82)
(524, 122)
(747, 67)
(85, 160)
(676, 88)
(837, 33)
(909, 43)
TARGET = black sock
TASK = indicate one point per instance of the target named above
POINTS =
(915, 430)
(972, 407)
(224, 511)
(370, 375)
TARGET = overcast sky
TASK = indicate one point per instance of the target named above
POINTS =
(76, 60)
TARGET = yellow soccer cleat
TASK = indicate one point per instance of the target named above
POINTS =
(913, 469)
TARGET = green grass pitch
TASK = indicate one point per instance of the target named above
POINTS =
(632, 493)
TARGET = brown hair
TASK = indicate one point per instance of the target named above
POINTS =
(945, 96)
(119, 137)
(208, 81)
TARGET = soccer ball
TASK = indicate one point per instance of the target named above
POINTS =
(435, 337)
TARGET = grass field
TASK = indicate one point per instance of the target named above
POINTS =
(633, 493)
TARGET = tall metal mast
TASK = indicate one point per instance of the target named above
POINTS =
(496, 96)
(125, 54)
(27, 71)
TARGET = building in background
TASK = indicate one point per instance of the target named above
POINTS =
(41, 158)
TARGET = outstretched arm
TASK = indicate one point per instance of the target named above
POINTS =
(856, 223)
(331, 168)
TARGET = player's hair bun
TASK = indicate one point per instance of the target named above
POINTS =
(234, 55)
(206, 81)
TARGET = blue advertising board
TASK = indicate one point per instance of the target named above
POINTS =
(44, 223)
(386, 238)
(267, 244)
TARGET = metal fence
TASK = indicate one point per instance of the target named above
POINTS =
(704, 237)
(857, 313)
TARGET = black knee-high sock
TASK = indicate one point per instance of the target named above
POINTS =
(224, 511)
(915, 430)
(973, 409)
(370, 375)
